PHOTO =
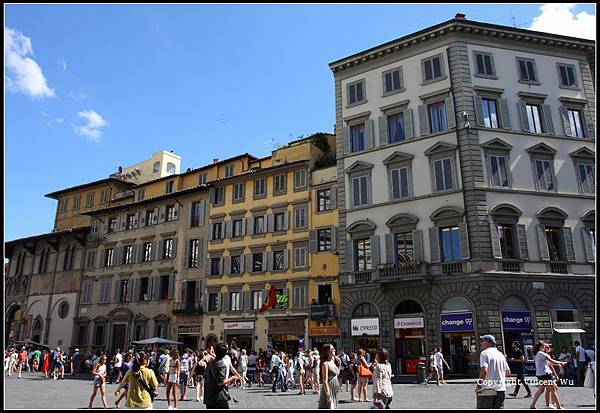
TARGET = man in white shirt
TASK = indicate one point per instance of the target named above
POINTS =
(491, 386)
(117, 362)
(581, 364)
(439, 362)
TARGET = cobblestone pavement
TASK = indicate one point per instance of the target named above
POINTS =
(33, 392)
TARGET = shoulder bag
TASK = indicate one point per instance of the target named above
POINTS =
(152, 392)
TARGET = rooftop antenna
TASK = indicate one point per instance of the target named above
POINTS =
(514, 22)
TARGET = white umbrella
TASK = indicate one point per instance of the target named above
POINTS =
(156, 340)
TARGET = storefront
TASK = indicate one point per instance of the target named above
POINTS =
(320, 333)
(459, 341)
(566, 323)
(365, 334)
(190, 337)
(517, 325)
(287, 335)
(409, 337)
(239, 334)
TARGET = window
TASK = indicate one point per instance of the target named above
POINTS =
(139, 331)
(324, 293)
(575, 123)
(123, 290)
(324, 239)
(64, 204)
(235, 301)
(108, 260)
(499, 171)
(219, 195)
(194, 260)
(169, 188)
(358, 138)
(527, 70)
(236, 264)
(259, 225)
(279, 219)
(450, 237)
(257, 299)
(400, 182)
(213, 302)
(63, 310)
(278, 260)
(544, 175)
(282, 300)
(68, 261)
(161, 329)
(300, 179)
(257, 262)
(443, 174)
(300, 218)
(260, 187)
(554, 240)
(360, 191)
(171, 215)
(202, 179)
(151, 217)
(215, 266)
(356, 92)
(586, 178)
(130, 221)
(168, 249)
(437, 117)
(104, 286)
(324, 200)
(90, 200)
(533, 118)
(170, 168)
(300, 297)
(144, 291)
(112, 224)
(395, 125)
(164, 287)
(484, 64)
(300, 257)
(506, 234)
(432, 68)
(239, 190)
(148, 252)
(141, 194)
(280, 184)
(567, 75)
(197, 211)
(229, 171)
(128, 255)
(237, 228)
(392, 81)
(99, 335)
(77, 202)
(217, 233)
(91, 260)
(156, 167)
(104, 196)
(363, 254)
(82, 335)
(490, 113)
(87, 293)
(404, 247)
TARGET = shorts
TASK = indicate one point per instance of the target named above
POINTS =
(183, 378)
(440, 369)
(172, 378)
(242, 369)
(97, 381)
(545, 377)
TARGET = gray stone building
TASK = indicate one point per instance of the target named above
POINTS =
(466, 191)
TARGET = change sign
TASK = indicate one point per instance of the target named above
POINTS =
(516, 320)
(457, 322)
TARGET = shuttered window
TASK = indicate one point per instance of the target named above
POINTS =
(396, 129)
(300, 257)
(575, 123)
(484, 64)
(527, 70)
(215, 266)
(260, 187)
(148, 252)
(443, 174)
(450, 242)
(489, 109)
(90, 200)
(359, 139)
(235, 301)
(534, 118)
(356, 92)
(300, 297)
(432, 68)
(554, 241)
(259, 225)
(239, 190)
(360, 191)
(437, 117)
(197, 211)
(213, 301)
(392, 81)
(586, 178)
(194, 253)
(109, 253)
(404, 246)
(324, 239)
(498, 171)
(363, 254)
(400, 182)
(544, 175)
(324, 200)
(506, 234)
(257, 299)
(567, 75)
(236, 264)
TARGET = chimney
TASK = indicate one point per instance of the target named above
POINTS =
(215, 160)
(460, 16)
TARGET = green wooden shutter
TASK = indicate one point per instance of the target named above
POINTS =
(496, 247)
(423, 120)
(346, 140)
(434, 244)
(588, 245)
(478, 111)
(505, 114)
(375, 251)
(390, 253)
(523, 112)
(417, 235)
(564, 115)
(350, 266)
(548, 119)
(464, 241)
(369, 132)
(568, 240)
(384, 137)
(408, 123)
(542, 243)
(522, 239)
(450, 112)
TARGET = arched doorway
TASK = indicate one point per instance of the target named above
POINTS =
(409, 336)
(36, 332)
(459, 341)
(14, 321)
(566, 322)
(364, 326)
(517, 325)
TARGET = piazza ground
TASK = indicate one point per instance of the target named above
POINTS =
(33, 392)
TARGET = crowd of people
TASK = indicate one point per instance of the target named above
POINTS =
(207, 374)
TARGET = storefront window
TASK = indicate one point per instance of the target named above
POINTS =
(409, 333)
(517, 325)
(459, 343)
(566, 322)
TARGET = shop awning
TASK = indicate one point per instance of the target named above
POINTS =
(569, 330)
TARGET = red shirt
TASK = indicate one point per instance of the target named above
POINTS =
(23, 356)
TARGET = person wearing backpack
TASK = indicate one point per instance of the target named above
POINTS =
(142, 384)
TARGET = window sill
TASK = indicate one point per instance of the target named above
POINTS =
(257, 197)
(256, 236)
(282, 271)
(238, 201)
(216, 241)
(280, 232)
(485, 76)
(569, 87)
(430, 81)
(300, 189)
(393, 92)
(352, 105)
(279, 193)
(327, 211)
(298, 230)
(257, 273)
(530, 82)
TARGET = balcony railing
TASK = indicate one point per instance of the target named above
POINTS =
(449, 268)
(558, 267)
(188, 308)
(509, 265)
(322, 312)
(402, 270)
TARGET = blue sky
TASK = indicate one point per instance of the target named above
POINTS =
(92, 87)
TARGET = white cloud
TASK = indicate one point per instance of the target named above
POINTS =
(76, 96)
(559, 19)
(23, 74)
(91, 129)
(59, 120)
(62, 63)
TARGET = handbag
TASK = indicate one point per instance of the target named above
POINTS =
(364, 372)
(152, 392)
(589, 378)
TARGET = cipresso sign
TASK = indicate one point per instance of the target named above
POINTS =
(368, 326)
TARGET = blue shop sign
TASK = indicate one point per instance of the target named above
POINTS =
(516, 320)
(457, 322)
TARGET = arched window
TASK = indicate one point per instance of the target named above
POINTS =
(456, 304)
(156, 167)
(563, 309)
(514, 303)
(408, 307)
(365, 310)
(170, 168)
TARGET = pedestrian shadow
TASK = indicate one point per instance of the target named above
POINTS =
(281, 394)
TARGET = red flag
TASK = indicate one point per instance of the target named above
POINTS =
(271, 301)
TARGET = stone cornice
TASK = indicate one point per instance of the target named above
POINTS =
(501, 33)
